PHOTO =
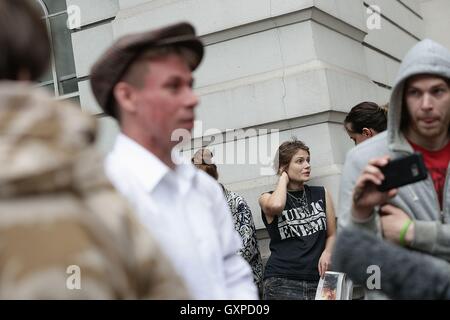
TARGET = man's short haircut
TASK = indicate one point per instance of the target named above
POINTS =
(367, 115)
(23, 39)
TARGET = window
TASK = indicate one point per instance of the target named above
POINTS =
(61, 77)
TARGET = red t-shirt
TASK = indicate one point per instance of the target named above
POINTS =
(436, 163)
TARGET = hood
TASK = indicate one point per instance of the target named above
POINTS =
(40, 140)
(426, 57)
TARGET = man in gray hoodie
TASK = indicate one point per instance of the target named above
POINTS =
(415, 216)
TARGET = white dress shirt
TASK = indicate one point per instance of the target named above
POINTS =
(186, 212)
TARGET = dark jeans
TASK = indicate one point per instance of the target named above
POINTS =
(286, 289)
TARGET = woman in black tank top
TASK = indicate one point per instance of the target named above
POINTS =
(301, 224)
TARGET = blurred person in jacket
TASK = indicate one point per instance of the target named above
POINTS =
(65, 232)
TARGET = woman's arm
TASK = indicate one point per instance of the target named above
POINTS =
(325, 258)
(273, 204)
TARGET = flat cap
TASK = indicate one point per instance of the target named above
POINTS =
(113, 64)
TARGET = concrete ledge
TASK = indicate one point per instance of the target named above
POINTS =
(313, 14)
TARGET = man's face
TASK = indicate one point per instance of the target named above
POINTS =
(428, 103)
(166, 101)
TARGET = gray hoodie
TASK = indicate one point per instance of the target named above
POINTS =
(418, 200)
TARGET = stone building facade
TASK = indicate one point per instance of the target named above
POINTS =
(273, 69)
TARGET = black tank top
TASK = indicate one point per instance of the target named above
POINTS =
(298, 236)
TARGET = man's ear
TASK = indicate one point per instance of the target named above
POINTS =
(125, 97)
(367, 132)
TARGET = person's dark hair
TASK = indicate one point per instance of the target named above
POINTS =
(367, 115)
(210, 169)
(23, 39)
(286, 151)
(202, 159)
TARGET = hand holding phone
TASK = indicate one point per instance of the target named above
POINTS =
(371, 189)
(403, 171)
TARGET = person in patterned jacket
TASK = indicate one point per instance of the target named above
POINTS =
(242, 216)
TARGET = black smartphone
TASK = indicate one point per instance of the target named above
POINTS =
(403, 171)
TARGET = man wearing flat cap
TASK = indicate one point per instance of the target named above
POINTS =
(145, 82)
